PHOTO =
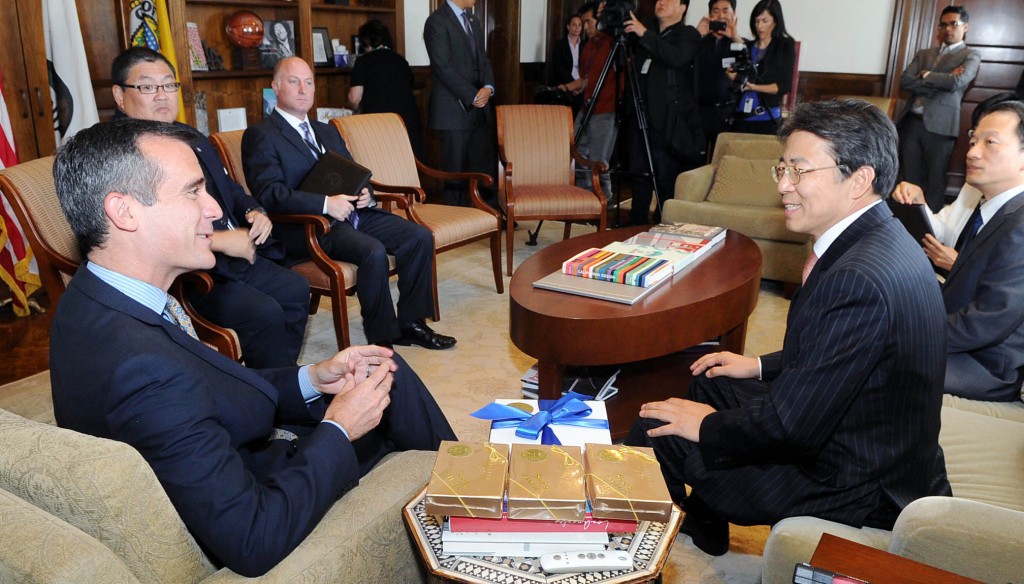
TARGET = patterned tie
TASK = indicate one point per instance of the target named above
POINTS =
(469, 31)
(176, 314)
(308, 139)
(808, 266)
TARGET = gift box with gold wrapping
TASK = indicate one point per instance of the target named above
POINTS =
(468, 480)
(625, 482)
(546, 482)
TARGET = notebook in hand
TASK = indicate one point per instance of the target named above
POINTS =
(334, 174)
(914, 218)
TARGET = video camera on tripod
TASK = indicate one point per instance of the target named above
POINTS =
(612, 19)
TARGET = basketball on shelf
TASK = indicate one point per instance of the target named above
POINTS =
(245, 29)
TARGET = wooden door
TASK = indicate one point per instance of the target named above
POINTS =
(26, 83)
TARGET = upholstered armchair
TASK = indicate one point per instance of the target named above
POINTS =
(380, 142)
(537, 153)
(326, 276)
(29, 188)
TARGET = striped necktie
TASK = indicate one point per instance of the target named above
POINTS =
(307, 137)
(176, 314)
(469, 31)
(808, 266)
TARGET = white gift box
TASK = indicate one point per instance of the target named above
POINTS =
(568, 435)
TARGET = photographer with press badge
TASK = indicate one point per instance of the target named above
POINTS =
(663, 59)
(718, 31)
(763, 72)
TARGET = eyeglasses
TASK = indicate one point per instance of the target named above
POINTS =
(793, 173)
(954, 24)
(149, 89)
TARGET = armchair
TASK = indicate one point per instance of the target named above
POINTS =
(326, 276)
(29, 188)
(537, 150)
(380, 142)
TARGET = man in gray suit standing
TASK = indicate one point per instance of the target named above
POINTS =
(460, 102)
(936, 80)
(984, 292)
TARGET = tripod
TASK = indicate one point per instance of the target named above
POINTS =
(622, 49)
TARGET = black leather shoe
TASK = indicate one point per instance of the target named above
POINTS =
(710, 536)
(418, 333)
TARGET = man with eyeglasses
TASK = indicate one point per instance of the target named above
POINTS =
(841, 424)
(936, 80)
(266, 304)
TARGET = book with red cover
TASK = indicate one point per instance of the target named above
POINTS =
(506, 525)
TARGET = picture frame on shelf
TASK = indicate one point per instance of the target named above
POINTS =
(323, 52)
(278, 42)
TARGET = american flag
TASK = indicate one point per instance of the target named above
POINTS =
(18, 269)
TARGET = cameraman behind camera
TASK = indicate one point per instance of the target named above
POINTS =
(664, 52)
(719, 29)
(764, 85)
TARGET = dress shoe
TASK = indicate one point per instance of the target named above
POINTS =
(711, 536)
(418, 333)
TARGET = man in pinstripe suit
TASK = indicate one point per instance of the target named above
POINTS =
(843, 423)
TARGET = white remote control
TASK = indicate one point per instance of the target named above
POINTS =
(564, 562)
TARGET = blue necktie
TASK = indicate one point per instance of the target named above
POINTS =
(970, 230)
(308, 139)
(469, 31)
(176, 314)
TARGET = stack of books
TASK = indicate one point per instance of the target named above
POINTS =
(468, 536)
(642, 262)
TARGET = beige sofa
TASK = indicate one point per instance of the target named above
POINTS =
(979, 532)
(74, 508)
(736, 191)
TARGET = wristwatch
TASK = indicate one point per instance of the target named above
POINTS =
(251, 209)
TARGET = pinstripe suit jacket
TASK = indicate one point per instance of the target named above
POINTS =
(852, 413)
(984, 296)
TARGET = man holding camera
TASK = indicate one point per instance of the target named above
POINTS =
(664, 53)
(718, 30)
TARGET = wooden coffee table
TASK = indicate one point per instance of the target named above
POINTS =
(711, 298)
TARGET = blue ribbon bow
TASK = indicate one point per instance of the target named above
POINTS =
(567, 411)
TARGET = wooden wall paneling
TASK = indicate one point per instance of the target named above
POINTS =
(814, 86)
(103, 36)
(26, 82)
(503, 41)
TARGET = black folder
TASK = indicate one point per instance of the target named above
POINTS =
(334, 174)
(914, 218)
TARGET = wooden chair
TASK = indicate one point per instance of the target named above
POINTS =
(30, 190)
(326, 276)
(537, 150)
(380, 142)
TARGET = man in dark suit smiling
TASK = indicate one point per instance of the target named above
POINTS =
(279, 152)
(126, 365)
(843, 422)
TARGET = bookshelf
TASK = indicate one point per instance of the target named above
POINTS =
(243, 88)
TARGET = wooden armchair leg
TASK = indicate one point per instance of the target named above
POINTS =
(314, 302)
(567, 231)
(499, 282)
(510, 239)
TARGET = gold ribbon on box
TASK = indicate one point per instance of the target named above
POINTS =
(619, 454)
(493, 456)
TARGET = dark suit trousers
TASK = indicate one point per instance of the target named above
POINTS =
(471, 150)
(924, 157)
(267, 307)
(413, 421)
(760, 494)
(666, 168)
(380, 234)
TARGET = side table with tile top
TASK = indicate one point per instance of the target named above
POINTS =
(649, 546)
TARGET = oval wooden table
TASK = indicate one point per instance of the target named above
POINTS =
(712, 298)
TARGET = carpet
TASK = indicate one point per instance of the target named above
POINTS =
(485, 365)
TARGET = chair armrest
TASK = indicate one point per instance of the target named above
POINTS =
(694, 185)
(316, 226)
(966, 537)
(388, 195)
(224, 340)
(474, 181)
